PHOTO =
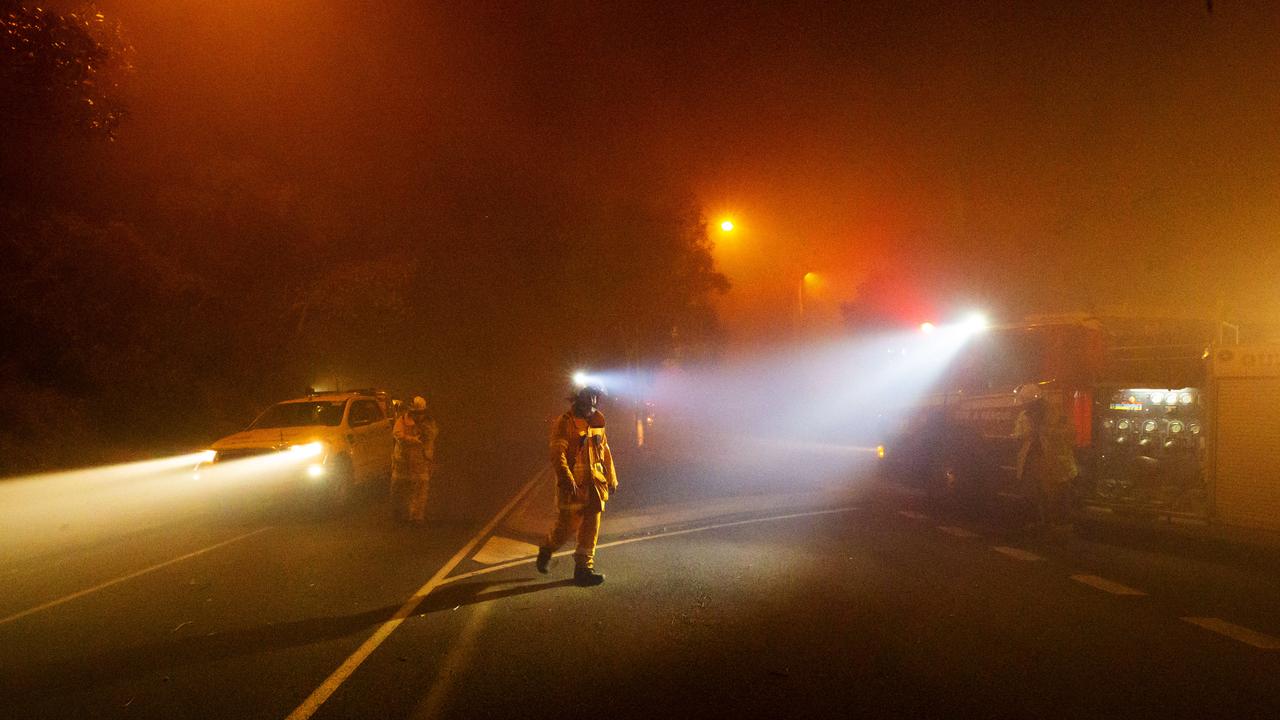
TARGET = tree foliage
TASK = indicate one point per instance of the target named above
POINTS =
(60, 72)
(166, 315)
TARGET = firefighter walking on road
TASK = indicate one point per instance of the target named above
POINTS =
(415, 452)
(1046, 461)
(583, 466)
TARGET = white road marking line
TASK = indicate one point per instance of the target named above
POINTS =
(913, 515)
(501, 549)
(682, 514)
(534, 514)
(1017, 553)
(1236, 632)
(957, 531)
(460, 655)
(655, 536)
(362, 653)
(130, 576)
(1106, 585)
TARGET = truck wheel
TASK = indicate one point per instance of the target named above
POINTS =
(957, 483)
(940, 481)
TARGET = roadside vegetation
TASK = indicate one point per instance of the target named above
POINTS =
(150, 304)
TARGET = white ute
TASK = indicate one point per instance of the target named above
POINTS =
(346, 436)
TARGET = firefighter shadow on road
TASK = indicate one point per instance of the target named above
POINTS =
(19, 683)
(450, 597)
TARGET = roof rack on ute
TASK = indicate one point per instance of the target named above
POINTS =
(372, 392)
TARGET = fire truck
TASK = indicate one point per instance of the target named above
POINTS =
(1169, 419)
(957, 441)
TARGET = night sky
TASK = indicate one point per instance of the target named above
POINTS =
(1015, 155)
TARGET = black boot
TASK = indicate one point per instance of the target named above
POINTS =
(586, 577)
(543, 563)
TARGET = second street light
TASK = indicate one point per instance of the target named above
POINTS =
(806, 280)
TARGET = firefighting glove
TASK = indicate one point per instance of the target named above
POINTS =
(568, 486)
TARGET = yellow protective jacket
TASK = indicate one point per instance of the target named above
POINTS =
(582, 462)
(1059, 464)
(415, 447)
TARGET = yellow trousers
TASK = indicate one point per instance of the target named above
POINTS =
(586, 522)
(409, 494)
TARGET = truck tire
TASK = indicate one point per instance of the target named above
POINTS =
(958, 483)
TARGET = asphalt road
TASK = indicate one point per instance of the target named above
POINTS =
(792, 586)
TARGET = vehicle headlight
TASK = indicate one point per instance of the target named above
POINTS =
(205, 457)
(1157, 398)
(1185, 398)
(311, 449)
(315, 471)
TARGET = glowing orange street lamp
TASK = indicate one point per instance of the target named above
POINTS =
(726, 226)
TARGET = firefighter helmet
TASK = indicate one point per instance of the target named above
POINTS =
(1028, 393)
(585, 393)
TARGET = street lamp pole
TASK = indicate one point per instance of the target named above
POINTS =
(805, 279)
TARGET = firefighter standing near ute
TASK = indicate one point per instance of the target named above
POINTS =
(1046, 462)
(585, 476)
(415, 452)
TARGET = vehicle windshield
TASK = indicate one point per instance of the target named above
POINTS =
(301, 414)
